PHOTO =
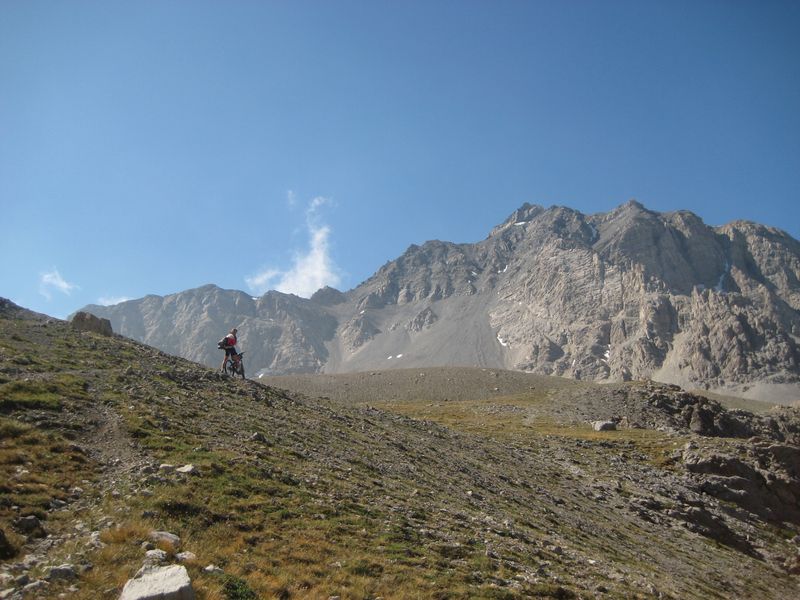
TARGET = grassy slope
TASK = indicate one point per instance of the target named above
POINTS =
(469, 499)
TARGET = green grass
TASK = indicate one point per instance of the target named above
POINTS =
(48, 393)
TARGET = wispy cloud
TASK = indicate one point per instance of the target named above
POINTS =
(53, 281)
(111, 300)
(312, 268)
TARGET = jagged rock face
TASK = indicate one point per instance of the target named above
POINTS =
(279, 332)
(628, 294)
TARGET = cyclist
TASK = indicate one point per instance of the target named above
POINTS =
(228, 343)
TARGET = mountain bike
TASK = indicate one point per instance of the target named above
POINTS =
(234, 367)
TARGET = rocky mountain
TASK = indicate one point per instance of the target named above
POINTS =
(626, 295)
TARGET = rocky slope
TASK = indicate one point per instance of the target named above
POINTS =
(626, 295)
(113, 454)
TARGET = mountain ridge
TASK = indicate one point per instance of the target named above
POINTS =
(628, 294)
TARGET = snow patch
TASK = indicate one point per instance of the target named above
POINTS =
(518, 223)
(502, 341)
(389, 357)
(399, 356)
(720, 287)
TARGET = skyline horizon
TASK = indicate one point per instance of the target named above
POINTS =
(387, 261)
(145, 148)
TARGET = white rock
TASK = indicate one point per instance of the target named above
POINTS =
(604, 425)
(185, 556)
(159, 583)
(187, 470)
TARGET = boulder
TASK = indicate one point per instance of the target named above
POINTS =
(159, 583)
(83, 321)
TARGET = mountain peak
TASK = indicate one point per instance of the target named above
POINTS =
(328, 296)
(627, 294)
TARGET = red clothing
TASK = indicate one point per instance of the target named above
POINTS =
(230, 340)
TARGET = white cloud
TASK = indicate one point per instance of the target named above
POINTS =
(311, 269)
(291, 197)
(315, 205)
(263, 281)
(53, 281)
(111, 300)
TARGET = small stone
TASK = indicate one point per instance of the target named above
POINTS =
(185, 557)
(34, 586)
(65, 572)
(213, 569)
(187, 470)
(604, 425)
(154, 557)
(165, 536)
(166, 467)
(30, 525)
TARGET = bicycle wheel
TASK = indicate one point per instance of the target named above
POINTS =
(241, 368)
(230, 368)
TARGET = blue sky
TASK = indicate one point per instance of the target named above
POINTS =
(151, 147)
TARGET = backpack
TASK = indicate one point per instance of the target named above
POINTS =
(222, 343)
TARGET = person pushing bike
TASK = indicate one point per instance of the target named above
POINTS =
(228, 343)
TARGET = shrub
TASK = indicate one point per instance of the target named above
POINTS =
(236, 588)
